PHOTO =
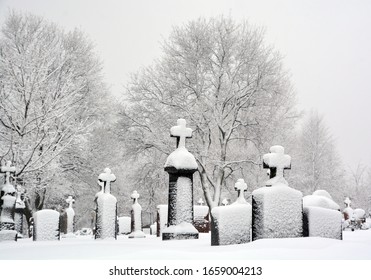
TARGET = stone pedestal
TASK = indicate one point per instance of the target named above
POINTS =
(46, 225)
(277, 212)
(106, 216)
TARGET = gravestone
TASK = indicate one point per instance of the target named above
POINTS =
(277, 209)
(322, 217)
(231, 224)
(136, 218)
(106, 207)
(180, 165)
(46, 225)
(201, 217)
(19, 211)
(8, 199)
(70, 215)
(161, 221)
(225, 202)
(124, 225)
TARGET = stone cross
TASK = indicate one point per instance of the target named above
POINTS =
(276, 161)
(70, 200)
(7, 170)
(240, 187)
(181, 132)
(225, 202)
(135, 195)
(107, 177)
(347, 202)
(200, 201)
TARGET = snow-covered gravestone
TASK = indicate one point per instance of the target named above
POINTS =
(70, 213)
(46, 225)
(225, 202)
(8, 200)
(161, 221)
(19, 210)
(201, 217)
(180, 165)
(124, 225)
(231, 224)
(277, 209)
(136, 218)
(322, 216)
(106, 212)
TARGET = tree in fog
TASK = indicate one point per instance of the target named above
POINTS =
(231, 88)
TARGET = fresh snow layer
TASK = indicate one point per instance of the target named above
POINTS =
(355, 245)
(106, 218)
(183, 227)
(181, 159)
(320, 201)
(323, 222)
(200, 211)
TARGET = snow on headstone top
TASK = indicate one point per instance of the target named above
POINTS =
(323, 193)
(320, 198)
(240, 187)
(8, 169)
(225, 202)
(181, 132)
(106, 178)
(276, 161)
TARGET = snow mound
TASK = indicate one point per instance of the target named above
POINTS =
(181, 159)
(320, 201)
(322, 193)
(183, 227)
(200, 211)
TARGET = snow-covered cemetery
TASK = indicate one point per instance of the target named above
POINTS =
(202, 153)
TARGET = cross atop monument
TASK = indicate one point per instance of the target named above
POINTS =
(135, 195)
(347, 202)
(225, 202)
(181, 132)
(7, 169)
(240, 187)
(201, 201)
(107, 177)
(70, 200)
(276, 161)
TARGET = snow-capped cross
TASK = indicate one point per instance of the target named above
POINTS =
(240, 187)
(347, 202)
(7, 169)
(181, 132)
(135, 195)
(225, 202)
(107, 177)
(276, 161)
(200, 201)
(70, 200)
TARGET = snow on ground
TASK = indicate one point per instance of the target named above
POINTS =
(356, 245)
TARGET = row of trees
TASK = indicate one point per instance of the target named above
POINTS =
(60, 126)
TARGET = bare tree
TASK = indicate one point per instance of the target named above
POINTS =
(49, 83)
(228, 84)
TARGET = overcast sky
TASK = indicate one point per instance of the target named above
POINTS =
(326, 44)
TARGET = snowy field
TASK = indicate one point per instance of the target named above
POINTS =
(355, 246)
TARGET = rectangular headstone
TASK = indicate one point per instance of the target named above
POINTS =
(277, 212)
(106, 216)
(231, 224)
(322, 222)
(124, 225)
(46, 225)
(162, 211)
(8, 235)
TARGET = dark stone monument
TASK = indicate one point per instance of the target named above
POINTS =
(277, 209)
(180, 165)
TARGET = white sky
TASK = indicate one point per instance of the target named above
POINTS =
(327, 47)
